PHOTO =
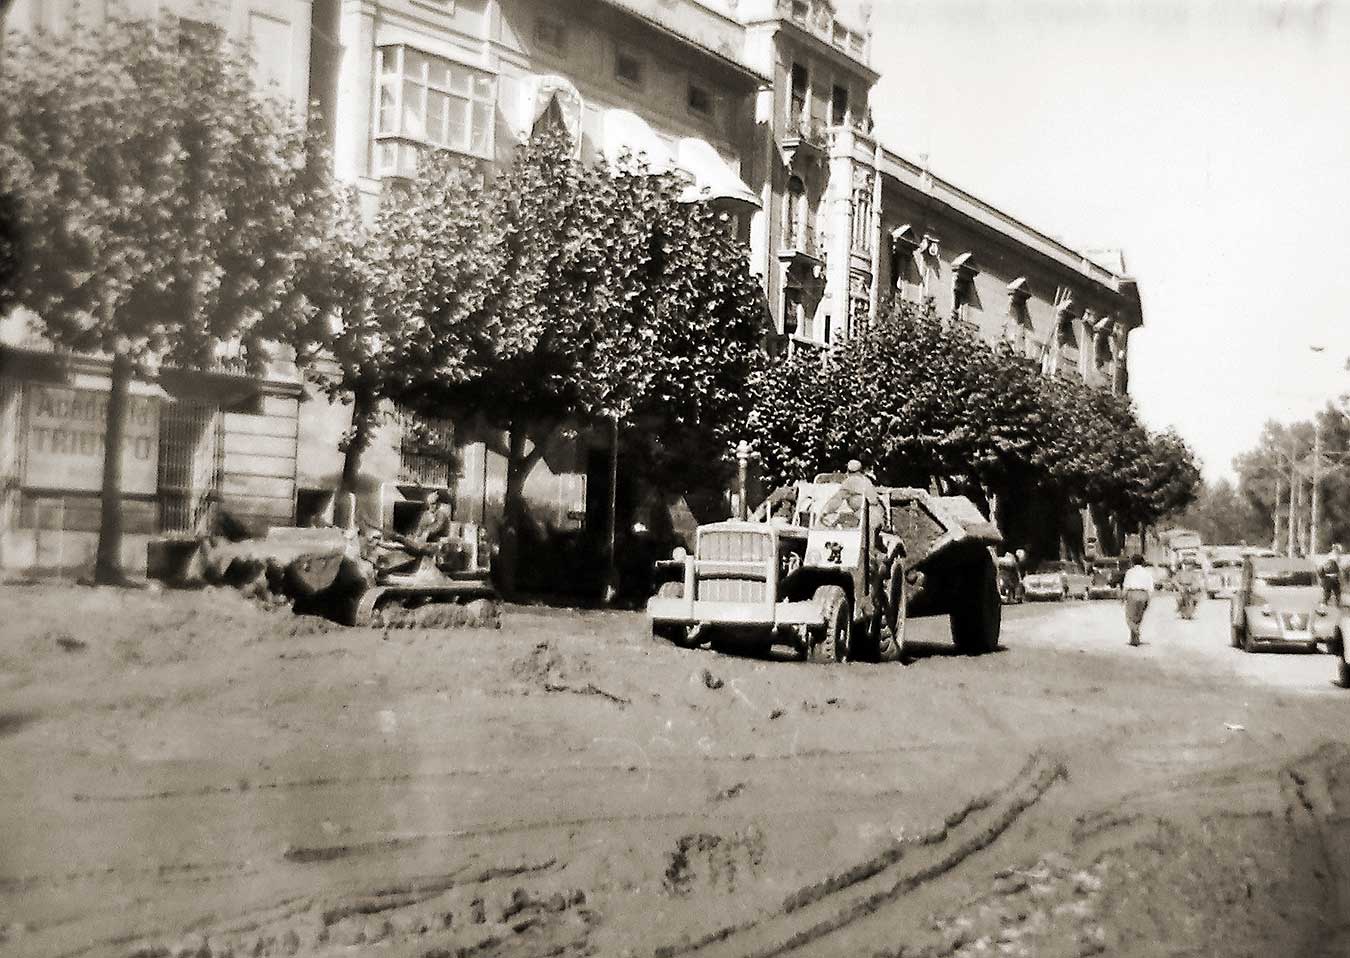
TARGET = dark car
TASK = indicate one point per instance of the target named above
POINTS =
(1107, 576)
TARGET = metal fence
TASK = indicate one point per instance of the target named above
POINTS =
(427, 454)
(191, 462)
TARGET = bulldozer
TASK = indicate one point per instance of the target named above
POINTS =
(834, 568)
(349, 575)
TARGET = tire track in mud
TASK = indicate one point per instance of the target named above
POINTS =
(813, 913)
(468, 908)
(1321, 828)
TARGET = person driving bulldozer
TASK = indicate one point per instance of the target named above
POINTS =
(397, 550)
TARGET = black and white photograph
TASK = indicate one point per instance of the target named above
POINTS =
(674, 478)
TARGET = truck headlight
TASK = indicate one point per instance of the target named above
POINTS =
(679, 553)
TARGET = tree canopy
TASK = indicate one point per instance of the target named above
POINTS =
(164, 204)
(923, 401)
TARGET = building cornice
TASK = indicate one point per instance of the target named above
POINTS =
(819, 46)
(915, 178)
(733, 64)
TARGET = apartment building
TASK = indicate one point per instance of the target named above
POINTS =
(764, 106)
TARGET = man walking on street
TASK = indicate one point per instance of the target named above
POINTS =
(1137, 590)
(1330, 575)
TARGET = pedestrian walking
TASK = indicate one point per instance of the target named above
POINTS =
(1330, 575)
(1137, 589)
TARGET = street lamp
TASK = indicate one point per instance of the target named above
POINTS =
(1316, 475)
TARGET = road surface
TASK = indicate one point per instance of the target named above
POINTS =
(191, 774)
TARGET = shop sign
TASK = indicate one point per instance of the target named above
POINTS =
(64, 447)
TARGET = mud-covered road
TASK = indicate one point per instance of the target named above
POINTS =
(189, 774)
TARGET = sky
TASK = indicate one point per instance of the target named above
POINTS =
(1208, 140)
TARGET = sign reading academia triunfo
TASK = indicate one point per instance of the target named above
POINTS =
(65, 440)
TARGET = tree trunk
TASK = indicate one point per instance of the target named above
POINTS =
(108, 558)
(518, 466)
(363, 411)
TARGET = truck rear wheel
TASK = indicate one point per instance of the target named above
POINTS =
(976, 613)
(671, 631)
(832, 643)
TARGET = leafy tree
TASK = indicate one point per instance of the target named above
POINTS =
(1223, 517)
(401, 304)
(165, 206)
(926, 402)
(559, 293)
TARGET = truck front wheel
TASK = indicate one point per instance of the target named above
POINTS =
(976, 613)
(672, 631)
(831, 645)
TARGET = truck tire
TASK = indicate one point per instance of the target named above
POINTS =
(832, 643)
(891, 641)
(976, 614)
(670, 631)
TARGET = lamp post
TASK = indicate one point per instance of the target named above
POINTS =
(1315, 506)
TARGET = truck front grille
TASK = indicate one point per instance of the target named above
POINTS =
(725, 583)
(731, 590)
(719, 545)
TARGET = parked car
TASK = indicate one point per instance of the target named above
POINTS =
(1056, 580)
(1278, 604)
(1222, 577)
(1107, 576)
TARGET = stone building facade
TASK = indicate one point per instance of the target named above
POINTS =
(764, 106)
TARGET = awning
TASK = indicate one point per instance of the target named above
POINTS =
(711, 178)
(628, 137)
(714, 179)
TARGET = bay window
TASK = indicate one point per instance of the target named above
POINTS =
(424, 101)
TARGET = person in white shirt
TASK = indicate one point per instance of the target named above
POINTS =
(1137, 589)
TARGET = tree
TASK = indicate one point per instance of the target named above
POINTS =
(165, 204)
(607, 300)
(400, 306)
(926, 402)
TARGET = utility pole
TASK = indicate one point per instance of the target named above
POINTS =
(1293, 506)
(1316, 480)
(1279, 481)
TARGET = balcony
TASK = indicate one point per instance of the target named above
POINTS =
(805, 137)
(805, 252)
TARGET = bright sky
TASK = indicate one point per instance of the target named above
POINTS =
(1210, 139)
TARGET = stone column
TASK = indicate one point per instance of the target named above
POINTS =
(355, 125)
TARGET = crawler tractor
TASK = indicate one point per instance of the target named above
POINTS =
(834, 568)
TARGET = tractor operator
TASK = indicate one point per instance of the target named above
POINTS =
(432, 526)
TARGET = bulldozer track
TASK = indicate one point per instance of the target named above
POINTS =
(819, 910)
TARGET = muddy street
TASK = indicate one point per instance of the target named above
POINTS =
(187, 773)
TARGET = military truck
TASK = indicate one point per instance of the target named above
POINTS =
(834, 568)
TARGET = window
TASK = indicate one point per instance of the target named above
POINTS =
(794, 226)
(801, 83)
(700, 100)
(628, 67)
(428, 101)
(801, 10)
(550, 34)
(839, 106)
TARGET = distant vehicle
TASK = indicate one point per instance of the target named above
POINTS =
(1162, 577)
(1107, 576)
(1278, 604)
(1223, 575)
(1182, 543)
(1057, 580)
